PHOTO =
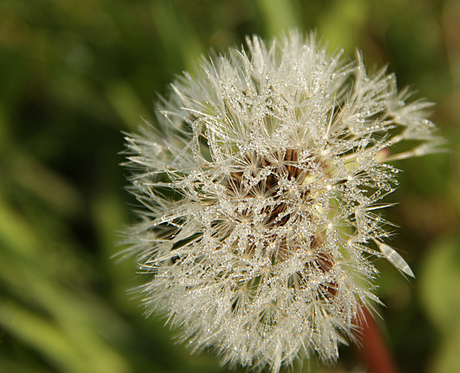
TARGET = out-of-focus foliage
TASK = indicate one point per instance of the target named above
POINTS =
(75, 74)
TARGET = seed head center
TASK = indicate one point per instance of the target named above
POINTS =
(274, 200)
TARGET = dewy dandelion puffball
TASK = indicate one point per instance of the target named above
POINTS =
(261, 188)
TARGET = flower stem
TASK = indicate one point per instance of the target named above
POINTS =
(373, 350)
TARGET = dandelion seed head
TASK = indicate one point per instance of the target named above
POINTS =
(261, 189)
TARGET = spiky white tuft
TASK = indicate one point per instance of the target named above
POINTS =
(260, 190)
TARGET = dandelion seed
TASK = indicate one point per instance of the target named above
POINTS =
(260, 187)
(394, 258)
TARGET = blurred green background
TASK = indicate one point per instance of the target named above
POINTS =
(76, 73)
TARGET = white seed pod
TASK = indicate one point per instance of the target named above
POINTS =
(259, 187)
(396, 259)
